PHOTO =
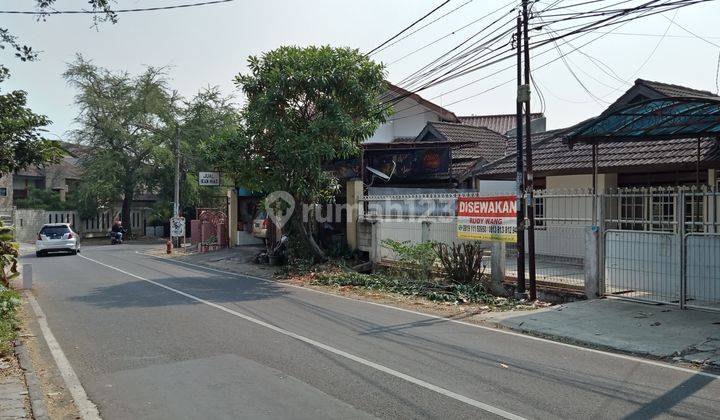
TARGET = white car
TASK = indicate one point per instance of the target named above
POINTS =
(54, 237)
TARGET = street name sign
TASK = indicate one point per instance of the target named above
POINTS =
(209, 179)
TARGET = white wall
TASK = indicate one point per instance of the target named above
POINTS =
(492, 187)
(28, 222)
(562, 182)
(408, 120)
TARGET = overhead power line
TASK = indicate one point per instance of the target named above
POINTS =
(96, 12)
(472, 62)
(423, 27)
(624, 19)
(408, 27)
(455, 31)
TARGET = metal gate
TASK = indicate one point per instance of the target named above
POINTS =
(662, 245)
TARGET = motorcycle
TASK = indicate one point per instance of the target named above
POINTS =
(116, 239)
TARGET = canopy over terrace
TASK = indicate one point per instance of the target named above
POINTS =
(650, 120)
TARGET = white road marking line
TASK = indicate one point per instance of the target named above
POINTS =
(377, 366)
(482, 327)
(88, 410)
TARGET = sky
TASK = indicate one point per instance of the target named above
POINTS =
(209, 46)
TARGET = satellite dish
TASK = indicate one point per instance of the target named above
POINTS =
(381, 174)
(378, 173)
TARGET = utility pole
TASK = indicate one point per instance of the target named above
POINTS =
(528, 160)
(520, 175)
(176, 203)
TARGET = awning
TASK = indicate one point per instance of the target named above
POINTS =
(655, 119)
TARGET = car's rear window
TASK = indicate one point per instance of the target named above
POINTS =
(54, 230)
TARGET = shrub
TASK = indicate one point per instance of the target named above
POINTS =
(9, 302)
(431, 290)
(416, 261)
(461, 263)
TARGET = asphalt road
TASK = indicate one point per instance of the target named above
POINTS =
(156, 339)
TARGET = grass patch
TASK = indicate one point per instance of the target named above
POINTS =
(433, 290)
(9, 302)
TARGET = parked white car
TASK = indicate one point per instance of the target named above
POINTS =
(260, 225)
(57, 237)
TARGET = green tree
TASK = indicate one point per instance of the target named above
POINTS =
(43, 199)
(21, 145)
(305, 107)
(125, 122)
(207, 114)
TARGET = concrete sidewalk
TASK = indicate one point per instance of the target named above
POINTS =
(645, 329)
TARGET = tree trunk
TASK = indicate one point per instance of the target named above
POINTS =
(125, 215)
(314, 247)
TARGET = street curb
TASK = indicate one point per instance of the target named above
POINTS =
(668, 359)
(37, 398)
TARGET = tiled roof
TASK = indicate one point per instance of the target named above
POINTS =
(464, 157)
(445, 114)
(502, 123)
(470, 144)
(68, 166)
(487, 143)
(551, 156)
(667, 89)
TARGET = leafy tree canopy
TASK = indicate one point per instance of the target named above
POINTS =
(309, 106)
(207, 114)
(21, 143)
(125, 122)
(305, 107)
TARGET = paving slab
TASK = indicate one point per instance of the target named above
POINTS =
(646, 329)
(12, 398)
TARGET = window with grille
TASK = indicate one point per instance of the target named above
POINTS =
(539, 211)
(694, 214)
(632, 212)
(663, 212)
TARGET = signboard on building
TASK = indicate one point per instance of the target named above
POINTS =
(487, 218)
(411, 163)
(209, 179)
(177, 227)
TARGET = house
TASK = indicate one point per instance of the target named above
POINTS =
(436, 158)
(505, 123)
(639, 181)
(62, 177)
(410, 113)
(676, 162)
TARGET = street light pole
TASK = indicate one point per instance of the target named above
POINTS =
(176, 203)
